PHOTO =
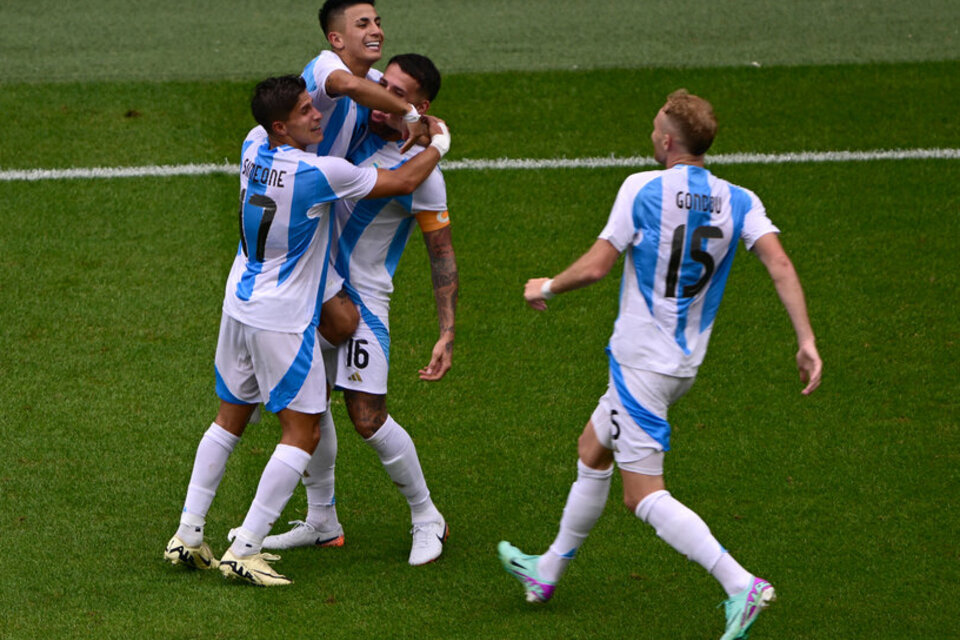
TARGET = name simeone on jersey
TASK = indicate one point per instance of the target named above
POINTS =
(258, 173)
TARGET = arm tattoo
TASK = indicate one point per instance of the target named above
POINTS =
(445, 276)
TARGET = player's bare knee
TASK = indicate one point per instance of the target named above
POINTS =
(311, 439)
(367, 422)
(367, 412)
(234, 417)
(591, 452)
(336, 330)
(631, 501)
(339, 319)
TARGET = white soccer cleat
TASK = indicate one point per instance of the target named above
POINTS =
(303, 535)
(428, 539)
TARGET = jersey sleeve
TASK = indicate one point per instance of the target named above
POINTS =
(620, 230)
(756, 223)
(348, 181)
(316, 73)
(431, 195)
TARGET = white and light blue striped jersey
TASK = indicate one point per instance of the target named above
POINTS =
(372, 234)
(285, 231)
(343, 119)
(679, 228)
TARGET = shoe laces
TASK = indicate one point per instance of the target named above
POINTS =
(421, 533)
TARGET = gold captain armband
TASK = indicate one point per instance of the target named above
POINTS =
(433, 220)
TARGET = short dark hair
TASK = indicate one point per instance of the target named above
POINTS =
(334, 8)
(274, 99)
(421, 69)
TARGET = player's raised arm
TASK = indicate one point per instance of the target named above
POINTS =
(787, 283)
(355, 35)
(407, 177)
(589, 268)
(372, 95)
(446, 284)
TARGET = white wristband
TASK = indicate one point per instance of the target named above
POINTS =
(412, 115)
(545, 292)
(441, 141)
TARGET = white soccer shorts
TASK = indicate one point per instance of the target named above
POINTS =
(282, 370)
(363, 361)
(631, 417)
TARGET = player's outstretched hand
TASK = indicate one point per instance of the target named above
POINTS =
(810, 366)
(533, 294)
(440, 360)
(416, 133)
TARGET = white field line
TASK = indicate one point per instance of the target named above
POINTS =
(504, 163)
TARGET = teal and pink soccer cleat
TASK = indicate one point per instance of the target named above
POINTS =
(524, 568)
(742, 609)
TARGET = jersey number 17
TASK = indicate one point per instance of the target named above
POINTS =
(269, 208)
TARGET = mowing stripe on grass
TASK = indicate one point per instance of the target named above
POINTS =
(505, 163)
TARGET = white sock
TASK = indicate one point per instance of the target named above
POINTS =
(215, 447)
(319, 477)
(585, 503)
(398, 455)
(686, 532)
(279, 479)
(731, 575)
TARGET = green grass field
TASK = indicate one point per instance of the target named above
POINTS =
(111, 291)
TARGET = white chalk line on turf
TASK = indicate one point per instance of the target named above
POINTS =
(504, 164)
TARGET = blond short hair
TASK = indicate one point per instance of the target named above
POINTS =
(694, 119)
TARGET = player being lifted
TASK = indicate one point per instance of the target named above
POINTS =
(679, 228)
(267, 350)
(371, 236)
(344, 87)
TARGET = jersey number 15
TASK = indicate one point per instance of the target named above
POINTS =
(696, 253)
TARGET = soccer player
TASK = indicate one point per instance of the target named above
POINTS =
(344, 86)
(679, 228)
(371, 237)
(267, 347)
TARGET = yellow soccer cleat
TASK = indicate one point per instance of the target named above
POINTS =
(255, 569)
(177, 552)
